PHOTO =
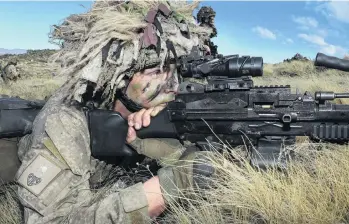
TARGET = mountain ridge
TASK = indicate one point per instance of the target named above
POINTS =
(12, 51)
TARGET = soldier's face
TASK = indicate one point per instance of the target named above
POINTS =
(152, 87)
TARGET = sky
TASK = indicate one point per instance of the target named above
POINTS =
(274, 30)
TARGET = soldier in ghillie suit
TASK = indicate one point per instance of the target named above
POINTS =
(10, 71)
(205, 17)
(119, 56)
(1, 75)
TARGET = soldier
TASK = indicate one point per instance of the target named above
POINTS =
(205, 17)
(126, 65)
(1, 75)
(10, 71)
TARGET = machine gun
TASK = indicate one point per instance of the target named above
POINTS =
(228, 108)
(217, 101)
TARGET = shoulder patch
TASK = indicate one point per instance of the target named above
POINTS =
(40, 173)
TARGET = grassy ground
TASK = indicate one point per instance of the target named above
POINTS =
(313, 191)
(38, 78)
(10, 211)
(32, 87)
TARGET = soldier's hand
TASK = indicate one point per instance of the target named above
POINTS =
(141, 119)
(194, 170)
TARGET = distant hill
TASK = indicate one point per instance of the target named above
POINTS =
(12, 51)
(27, 55)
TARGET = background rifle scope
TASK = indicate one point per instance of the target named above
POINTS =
(331, 62)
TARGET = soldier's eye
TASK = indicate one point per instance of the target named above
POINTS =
(146, 87)
(156, 72)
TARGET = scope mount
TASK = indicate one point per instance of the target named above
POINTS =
(217, 84)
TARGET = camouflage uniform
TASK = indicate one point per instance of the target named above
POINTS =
(10, 72)
(1, 75)
(56, 171)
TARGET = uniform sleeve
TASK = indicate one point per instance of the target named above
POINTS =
(158, 148)
(54, 177)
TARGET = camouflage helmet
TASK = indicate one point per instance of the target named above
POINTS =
(107, 45)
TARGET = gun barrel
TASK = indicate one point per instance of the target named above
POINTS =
(342, 95)
(331, 62)
(330, 95)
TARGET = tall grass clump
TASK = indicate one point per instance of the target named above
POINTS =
(313, 188)
(10, 208)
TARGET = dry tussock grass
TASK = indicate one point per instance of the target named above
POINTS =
(33, 87)
(37, 69)
(313, 189)
(10, 211)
